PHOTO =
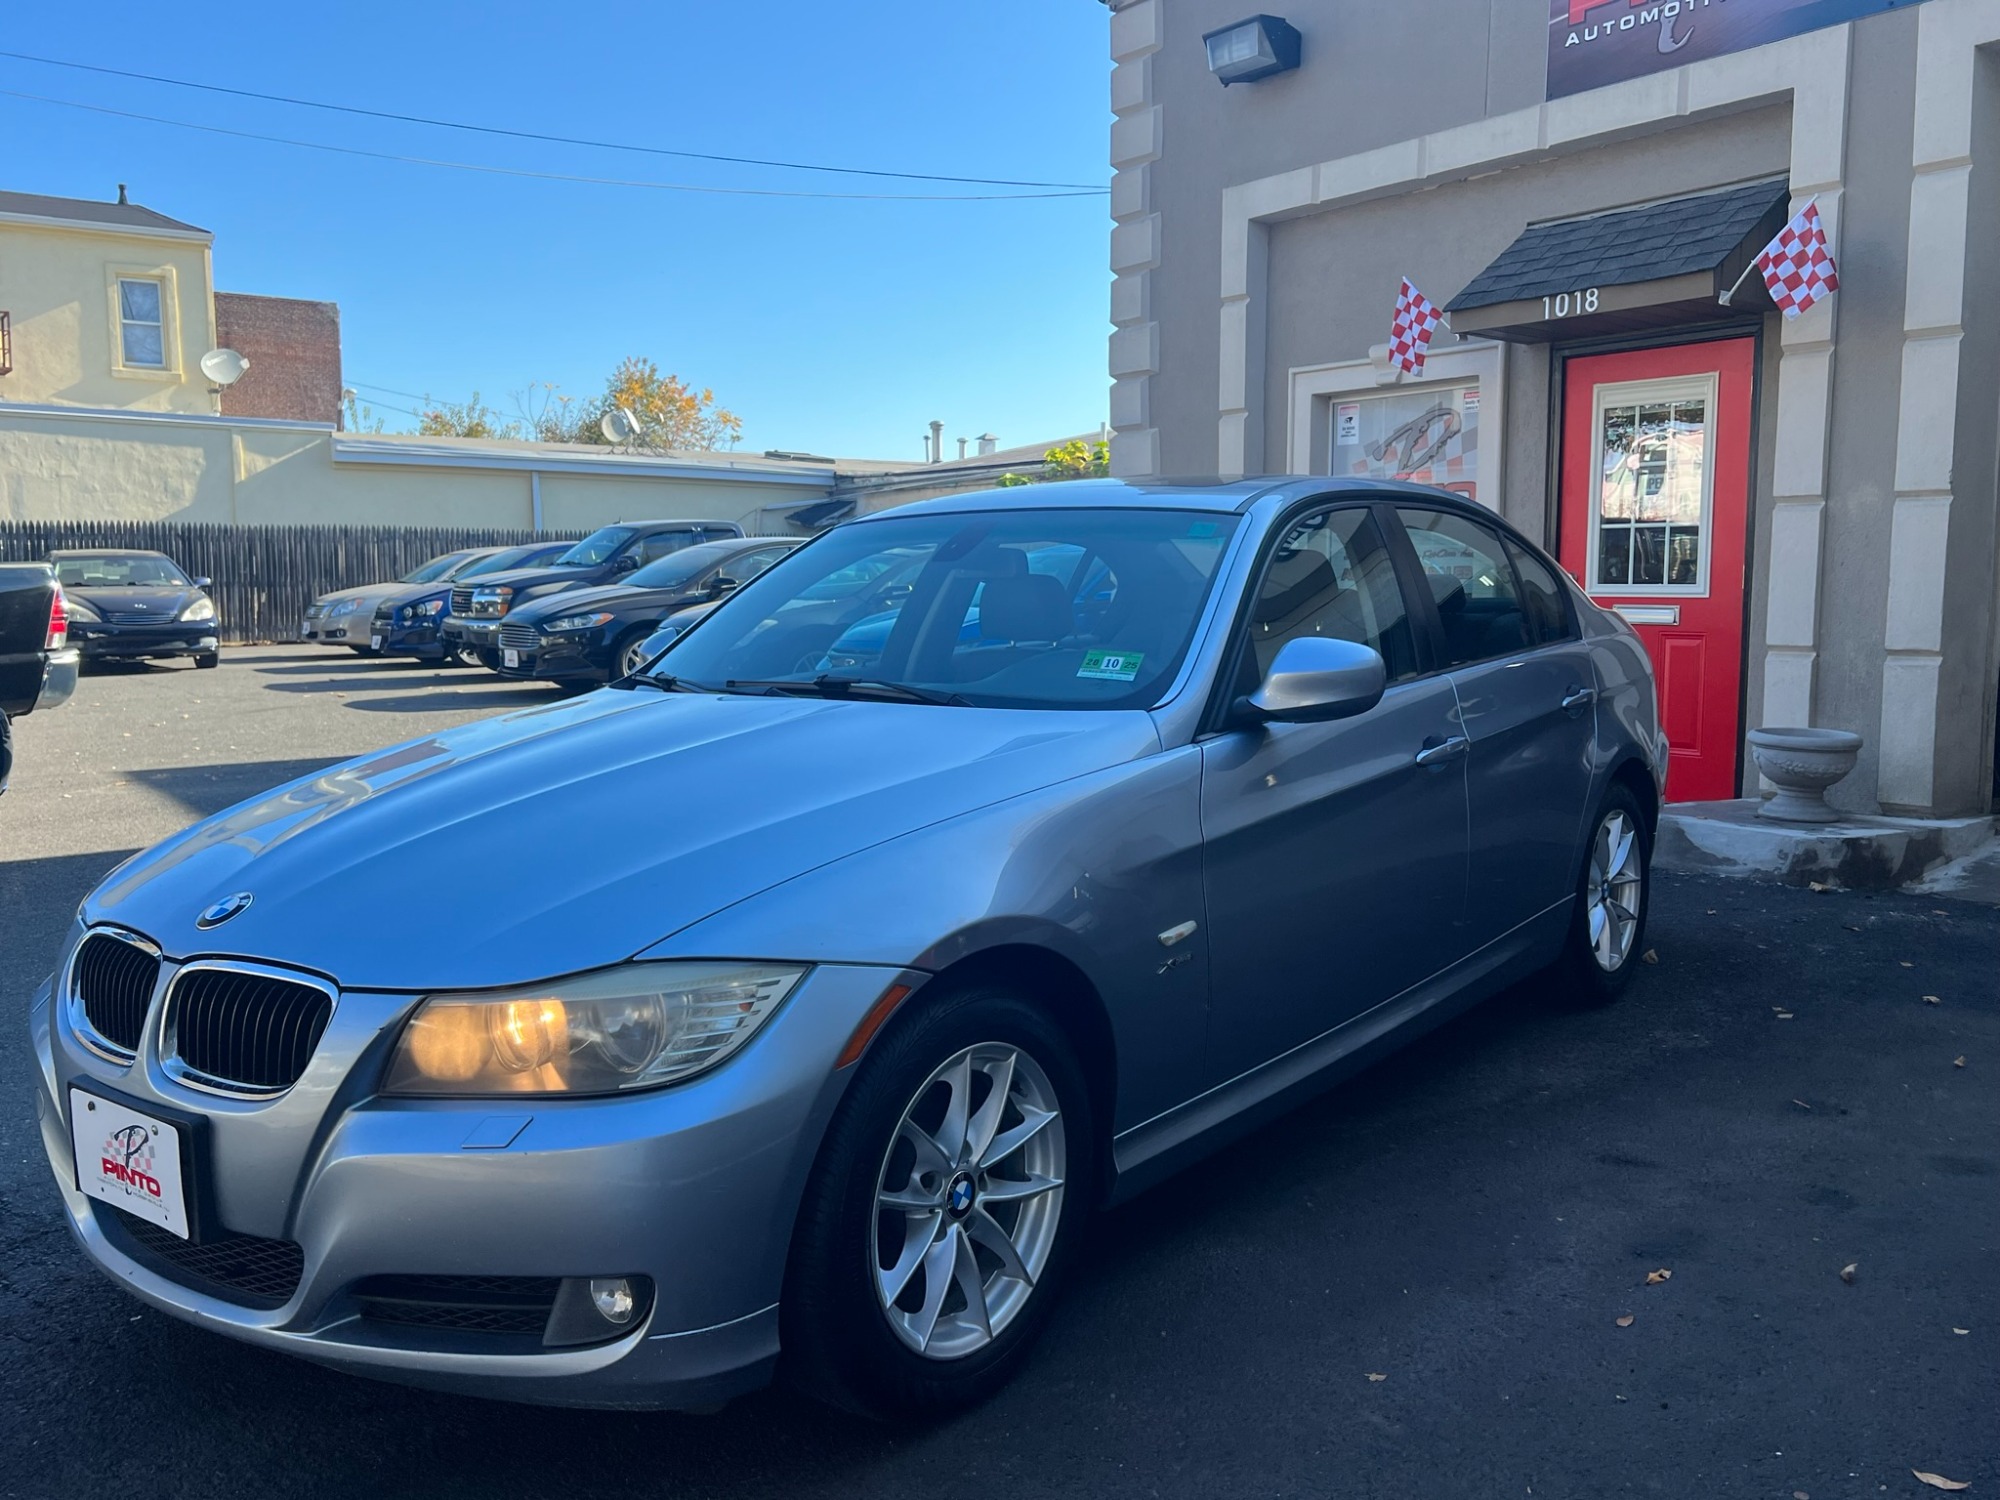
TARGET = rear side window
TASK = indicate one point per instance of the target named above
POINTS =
(1542, 598)
(664, 544)
(1472, 584)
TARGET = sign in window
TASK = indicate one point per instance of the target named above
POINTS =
(1428, 436)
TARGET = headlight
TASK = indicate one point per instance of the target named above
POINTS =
(344, 606)
(492, 601)
(579, 622)
(201, 609)
(78, 610)
(427, 609)
(632, 1027)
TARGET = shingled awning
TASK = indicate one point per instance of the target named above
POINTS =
(1634, 268)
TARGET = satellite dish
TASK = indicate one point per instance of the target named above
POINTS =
(224, 366)
(618, 425)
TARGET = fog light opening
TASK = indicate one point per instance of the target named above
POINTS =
(614, 1299)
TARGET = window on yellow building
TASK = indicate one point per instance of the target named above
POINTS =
(141, 325)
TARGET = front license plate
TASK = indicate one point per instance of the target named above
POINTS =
(129, 1160)
(374, 643)
(510, 658)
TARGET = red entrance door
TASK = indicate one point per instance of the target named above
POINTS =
(1654, 496)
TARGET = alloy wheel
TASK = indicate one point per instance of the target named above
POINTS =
(632, 658)
(968, 1201)
(1612, 890)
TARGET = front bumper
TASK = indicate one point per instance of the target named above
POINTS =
(97, 641)
(694, 1186)
(480, 635)
(349, 629)
(558, 657)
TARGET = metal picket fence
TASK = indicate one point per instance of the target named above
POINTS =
(263, 577)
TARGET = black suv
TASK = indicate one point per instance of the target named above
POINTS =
(605, 556)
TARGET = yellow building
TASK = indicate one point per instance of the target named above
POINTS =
(108, 304)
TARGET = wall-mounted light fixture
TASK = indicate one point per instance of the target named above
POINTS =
(1252, 49)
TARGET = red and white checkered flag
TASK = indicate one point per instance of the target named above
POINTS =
(1410, 334)
(1796, 265)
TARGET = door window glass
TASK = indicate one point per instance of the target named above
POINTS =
(1471, 583)
(1652, 489)
(1332, 576)
(1541, 597)
(664, 544)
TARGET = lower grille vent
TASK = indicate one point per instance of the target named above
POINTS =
(114, 979)
(255, 1031)
(241, 1268)
(468, 1304)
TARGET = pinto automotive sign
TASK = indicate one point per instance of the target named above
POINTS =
(1595, 42)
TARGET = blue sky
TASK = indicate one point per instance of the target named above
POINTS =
(834, 327)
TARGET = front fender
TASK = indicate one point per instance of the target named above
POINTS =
(1094, 869)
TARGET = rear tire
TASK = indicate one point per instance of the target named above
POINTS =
(1607, 934)
(995, 1201)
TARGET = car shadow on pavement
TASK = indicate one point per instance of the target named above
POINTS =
(204, 790)
(512, 697)
(362, 666)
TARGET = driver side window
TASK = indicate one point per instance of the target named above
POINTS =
(1332, 575)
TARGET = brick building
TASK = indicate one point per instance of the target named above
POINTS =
(294, 351)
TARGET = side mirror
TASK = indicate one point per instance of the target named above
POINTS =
(722, 584)
(202, 583)
(625, 564)
(1317, 678)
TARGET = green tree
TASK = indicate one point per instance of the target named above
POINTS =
(355, 417)
(1077, 459)
(467, 419)
(671, 412)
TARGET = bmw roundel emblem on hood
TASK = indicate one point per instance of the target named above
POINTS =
(223, 910)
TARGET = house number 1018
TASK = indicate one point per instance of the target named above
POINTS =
(1568, 304)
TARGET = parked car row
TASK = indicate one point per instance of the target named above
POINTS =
(579, 613)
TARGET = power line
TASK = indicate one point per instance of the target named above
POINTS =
(531, 135)
(467, 166)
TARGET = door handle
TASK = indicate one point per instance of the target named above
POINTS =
(1443, 751)
(1578, 698)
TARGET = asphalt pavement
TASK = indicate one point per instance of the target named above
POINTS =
(1435, 1282)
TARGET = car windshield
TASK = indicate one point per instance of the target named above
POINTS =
(1004, 609)
(436, 568)
(682, 567)
(111, 572)
(597, 548)
(513, 557)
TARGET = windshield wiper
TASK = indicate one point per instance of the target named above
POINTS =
(664, 683)
(828, 686)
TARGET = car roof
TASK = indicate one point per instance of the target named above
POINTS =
(1198, 494)
(107, 552)
(677, 523)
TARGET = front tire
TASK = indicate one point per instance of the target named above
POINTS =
(945, 1211)
(1607, 935)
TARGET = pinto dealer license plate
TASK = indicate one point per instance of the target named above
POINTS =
(510, 658)
(129, 1160)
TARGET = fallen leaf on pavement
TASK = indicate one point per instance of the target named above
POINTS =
(1906, 963)
(1931, 1000)
(1373, 1376)
(1654, 1278)
(1803, 1105)
(1847, 1272)
(1939, 1482)
(1626, 1321)
(1959, 1061)
(1800, 1495)
(1783, 1015)
(1817, 888)
(1961, 1332)
(1650, 956)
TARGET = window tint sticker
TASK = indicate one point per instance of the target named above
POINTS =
(1111, 666)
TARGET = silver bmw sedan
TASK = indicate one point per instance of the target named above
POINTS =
(796, 1001)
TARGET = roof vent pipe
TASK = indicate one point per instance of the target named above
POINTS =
(121, 192)
(987, 443)
(961, 449)
(937, 442)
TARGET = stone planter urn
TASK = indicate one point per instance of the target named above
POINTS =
(1802, 764)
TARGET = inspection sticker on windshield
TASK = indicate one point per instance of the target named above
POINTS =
(1111, 666)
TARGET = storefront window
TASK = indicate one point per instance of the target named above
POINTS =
(1652, 489)
(1429, 436)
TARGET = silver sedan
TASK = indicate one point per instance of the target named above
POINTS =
(797, 1001)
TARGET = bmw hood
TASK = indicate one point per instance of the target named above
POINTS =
(575, 835)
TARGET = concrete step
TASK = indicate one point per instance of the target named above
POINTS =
(1857, 853)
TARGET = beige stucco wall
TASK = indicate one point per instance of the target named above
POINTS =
(80, 467)
(59, 284)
